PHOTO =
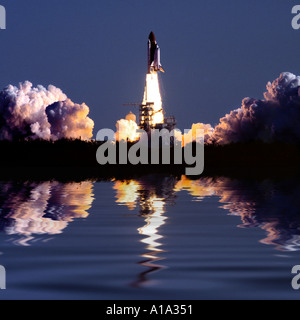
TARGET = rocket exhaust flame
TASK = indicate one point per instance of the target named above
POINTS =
(152, 95)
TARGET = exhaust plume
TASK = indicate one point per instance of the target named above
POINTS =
(40, 113)
(152, 94)
(127, 129)
(275, 118)
(190, 136)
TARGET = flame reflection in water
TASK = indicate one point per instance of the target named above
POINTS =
(150, 195)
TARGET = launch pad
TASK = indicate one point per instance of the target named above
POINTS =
(146, 119)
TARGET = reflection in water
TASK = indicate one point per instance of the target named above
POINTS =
(31, 209)
(271, 206)
(199, 189)
(151, 195)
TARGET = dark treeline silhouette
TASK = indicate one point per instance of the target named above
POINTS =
(73, 160)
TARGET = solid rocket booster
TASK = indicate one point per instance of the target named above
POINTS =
(153, 55)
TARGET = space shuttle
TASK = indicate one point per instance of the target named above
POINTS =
(153, 55)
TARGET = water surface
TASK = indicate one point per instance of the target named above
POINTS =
(154, 237)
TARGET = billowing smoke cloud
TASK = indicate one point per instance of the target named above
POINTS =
(275, 118)
(40, 113)
(69, 120)
(127, 128)
(190, 136)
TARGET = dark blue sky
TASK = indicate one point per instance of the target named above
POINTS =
(215, 52)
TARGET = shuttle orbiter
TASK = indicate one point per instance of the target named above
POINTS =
(153, 55)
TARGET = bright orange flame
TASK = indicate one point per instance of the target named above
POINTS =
(152, 95)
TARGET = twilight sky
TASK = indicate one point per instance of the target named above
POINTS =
(215, 52)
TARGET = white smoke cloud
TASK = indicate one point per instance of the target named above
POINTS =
(275, 118)
(40, 113)
(190, 136)
(69, 120)
(127, 129)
